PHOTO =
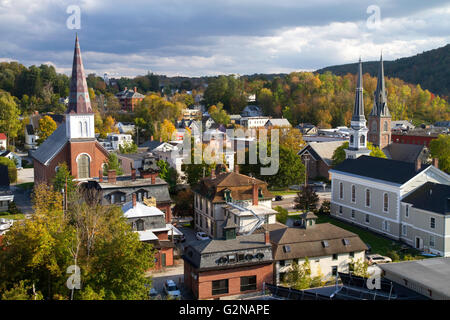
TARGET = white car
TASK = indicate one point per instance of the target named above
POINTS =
(201, 236)
(377, 258)
(171, 289)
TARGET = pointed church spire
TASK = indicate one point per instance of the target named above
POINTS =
(358, 109)
(79, 101)
(380, 100)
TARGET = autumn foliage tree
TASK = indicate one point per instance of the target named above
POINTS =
(46, 127)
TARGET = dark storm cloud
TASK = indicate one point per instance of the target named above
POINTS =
(198, 37)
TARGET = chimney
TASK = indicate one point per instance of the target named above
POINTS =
(135, 89)
(153, 177)
(435, 162)
(160, 139)
(133, 174)
(266, 237)
(151, 138)
(100, 175)
(112, 176)
(213, 173)
(134, 200)
(126, 88)
(236, 168)
(418, 164)
(255, 194)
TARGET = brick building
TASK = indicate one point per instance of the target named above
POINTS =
(418, 137)
(73, 142)
(151, 225)
(129, 98)
(234, 266)
(379, 120)
(317, 156)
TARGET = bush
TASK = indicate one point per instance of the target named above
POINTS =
(282, 214)
(325, 207)
(393, 255)
(12, 170)
(12, 208)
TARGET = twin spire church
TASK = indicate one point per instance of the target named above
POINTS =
(379, 131)
(73, 142)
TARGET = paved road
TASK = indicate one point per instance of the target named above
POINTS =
(288, 200)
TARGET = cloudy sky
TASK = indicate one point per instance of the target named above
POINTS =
(209, 37)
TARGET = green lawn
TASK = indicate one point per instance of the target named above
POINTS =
(379, 244)
(283, 192)
(18, 216)
(26, 185)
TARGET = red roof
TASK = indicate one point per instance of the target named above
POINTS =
(2, 136)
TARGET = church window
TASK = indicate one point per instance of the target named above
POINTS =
(83, 164)
(86, 133)
(385, 126)
(351, 139)
(81, 129)
(362, 140)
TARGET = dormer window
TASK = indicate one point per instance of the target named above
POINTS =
(260, 194)
(227, 194)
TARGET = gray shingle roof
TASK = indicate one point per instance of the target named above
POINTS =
(398, 172)
(50, 147)
(432, 197)
(324, 150)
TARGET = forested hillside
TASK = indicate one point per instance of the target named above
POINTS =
(430, 69)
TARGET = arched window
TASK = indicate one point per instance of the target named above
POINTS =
(385, 202)
(362, 140)
(83, 164)
(385, 126)
(351, 139)
(367, 198)
(81, 128)
(353, 193)
(86, 133)
(341, 190)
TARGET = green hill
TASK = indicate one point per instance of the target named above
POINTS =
(430, 69)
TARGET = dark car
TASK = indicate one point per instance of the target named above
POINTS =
(278, 198)
(369, 248)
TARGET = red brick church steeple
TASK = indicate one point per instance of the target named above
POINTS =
(79, 101)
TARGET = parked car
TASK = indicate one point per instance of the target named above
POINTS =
(171, 289)
(377, 258)
(153, 293)
(278, 198)
(297, 223)
(201, 236)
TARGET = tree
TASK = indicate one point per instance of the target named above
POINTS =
(339, 153)
(128, 147)
(184, 203)
(306, 199)
(113, 164)
(62, 177)
(12, 170)
(359, 268)
(325, 207)
(440, 149)
(282, 214)
(38, 252)
(292, 138)
(167, 130)
(291, 170)
(9, 116)
(219, 115)
(46, 127)
(168, 174)
(299, 277)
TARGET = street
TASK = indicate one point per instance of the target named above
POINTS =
(288, 200)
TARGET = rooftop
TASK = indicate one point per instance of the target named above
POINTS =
(398, 172)
(432, 274)
(432, 197)
(140, 210)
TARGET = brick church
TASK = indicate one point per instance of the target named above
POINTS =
(73, 142)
